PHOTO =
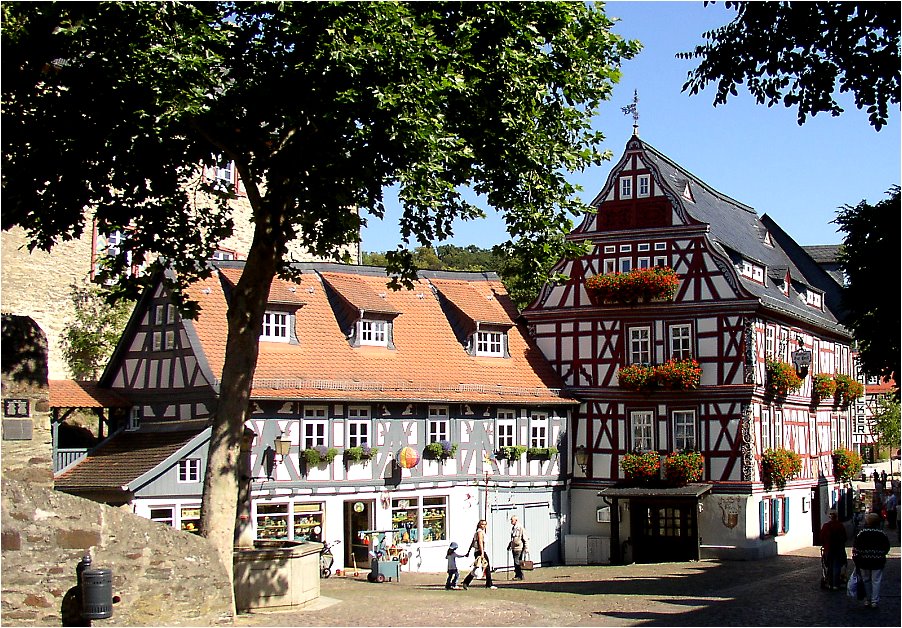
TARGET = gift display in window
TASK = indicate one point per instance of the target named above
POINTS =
(435, 517)
(190, 519)
(308, 522)
(404, 517)
(272, 521)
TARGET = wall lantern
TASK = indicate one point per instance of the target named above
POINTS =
(582, 457)
(283, 445)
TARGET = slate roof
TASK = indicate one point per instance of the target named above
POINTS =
(125, 456)
(428, 361)
(741, 233)
(68, 393)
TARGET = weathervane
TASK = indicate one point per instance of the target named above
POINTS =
(633, 109)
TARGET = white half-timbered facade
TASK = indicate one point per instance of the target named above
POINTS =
(346, 364)
(747, 294)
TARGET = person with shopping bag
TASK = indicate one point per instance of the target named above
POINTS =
(481, 562)
(517, 546)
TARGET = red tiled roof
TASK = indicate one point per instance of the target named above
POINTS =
(68, 393)
(428, 361)
(123, 458)
(356, 292)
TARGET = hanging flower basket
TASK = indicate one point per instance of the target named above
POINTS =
(779, 466)
(641, 467)
(683, 467)
(846, 464)
(823, 387)
(847, 389)
(640, 284)
(440, 450)
(782, 378)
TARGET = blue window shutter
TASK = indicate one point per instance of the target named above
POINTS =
(762, 522)
(785, 515)
(775, 515)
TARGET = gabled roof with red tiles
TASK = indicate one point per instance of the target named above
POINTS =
(428, 361)
(124, 457)
(68, 393)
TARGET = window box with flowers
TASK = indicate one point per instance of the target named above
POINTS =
(679, 374)
(847, 389)
(641, 467)
(360, 454)
(779, 466)
(781, 378)
(510, 453)
(823, 386)
(440, 450)
(637, 377)
(541, 453)
(640, 284)
(319, 455)
(683, 467)
(846, 464)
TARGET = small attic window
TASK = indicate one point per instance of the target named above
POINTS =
(752, 271)
(275, 327)
(490, 343)
(687, 193)
(814, 299)
(374, 333)
(626, 187)
(768, 241)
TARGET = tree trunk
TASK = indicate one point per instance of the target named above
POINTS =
(245, 318)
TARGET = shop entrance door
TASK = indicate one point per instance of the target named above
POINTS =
(358, 516)
(664, 530)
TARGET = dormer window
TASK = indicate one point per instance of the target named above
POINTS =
(644, 184)
(814, 299)
(374, 332)
(490, 343)
(752, 271)
(275, 327)
(626, 187)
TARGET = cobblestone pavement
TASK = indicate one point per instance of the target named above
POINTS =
(780, 591)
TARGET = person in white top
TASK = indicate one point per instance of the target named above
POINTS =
(517, 546)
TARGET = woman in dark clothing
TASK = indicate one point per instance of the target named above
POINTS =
(869, 550)
(833, 540)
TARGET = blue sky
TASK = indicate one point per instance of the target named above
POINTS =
(798, 175)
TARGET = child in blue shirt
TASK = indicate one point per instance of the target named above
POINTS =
(453, 572)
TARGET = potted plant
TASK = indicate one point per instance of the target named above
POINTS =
(679, 374)
(823, 387)
(440, 450)
(780, 465)
(846, 464)
(637, 377)
(541, 453)
(781, 378)
(360, 454)
(683, 467)
(320, 454)
(510, 452)
(658, 283)
(641, 467)
(847, 389)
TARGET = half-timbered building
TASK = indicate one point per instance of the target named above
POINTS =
(746, 297)
(353, 382)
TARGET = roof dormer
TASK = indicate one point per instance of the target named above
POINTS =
(480, 322)
(365, 316)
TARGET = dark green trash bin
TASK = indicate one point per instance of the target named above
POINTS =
(97, 593)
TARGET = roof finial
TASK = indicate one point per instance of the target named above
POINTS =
(633, 109)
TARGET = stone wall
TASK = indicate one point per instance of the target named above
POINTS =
(161, 575)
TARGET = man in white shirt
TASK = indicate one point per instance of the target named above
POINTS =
(517, 546)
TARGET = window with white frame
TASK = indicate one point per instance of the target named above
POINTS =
(225, 170)
(626, 248)
(189, 471)
(642, 430)
(661, 261)
(610, 248)
(314, 426)
(684, 430)
(626, 187)
(357, 426)
(766, 439)
(538, 429)
(680, 342)
(643, 183)
(163, 514)
(644, 262)
(640, 345)
(275, 327)
(626, 264)
(374, 332)
(505, 428)
(610, 266)
(660, 246)
(769, 336)
(438, 427)
(490, 343)
(813, 299)
(645, 246)
(777, 435)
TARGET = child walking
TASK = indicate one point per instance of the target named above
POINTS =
(453, 572)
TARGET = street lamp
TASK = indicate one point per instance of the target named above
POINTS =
(582, 457)
(283, 445)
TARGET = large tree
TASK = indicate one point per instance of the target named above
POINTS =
(109, 109)
(871, 299)
(802, 53)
